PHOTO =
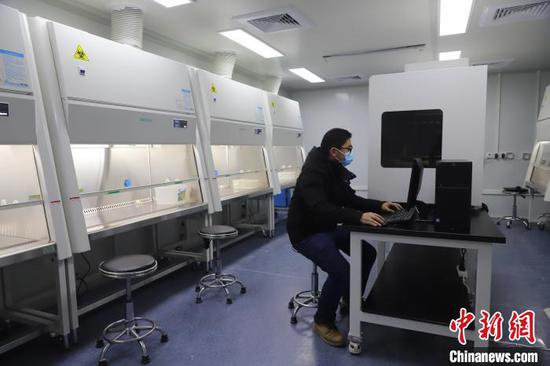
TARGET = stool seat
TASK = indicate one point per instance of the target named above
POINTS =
(218, 232)
(132, 265)
(516, 189)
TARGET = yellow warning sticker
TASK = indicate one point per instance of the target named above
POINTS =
(213, 88)
(80, 54)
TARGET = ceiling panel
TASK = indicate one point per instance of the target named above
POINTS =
(343, 26)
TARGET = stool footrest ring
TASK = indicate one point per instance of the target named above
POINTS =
(123, 328)
(306, 299)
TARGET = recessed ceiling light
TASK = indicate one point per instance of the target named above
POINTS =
(451, 55)
(171, 3)
(306, 74)
(453, 16)
(252, 43)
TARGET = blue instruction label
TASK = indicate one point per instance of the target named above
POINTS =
(13, 70)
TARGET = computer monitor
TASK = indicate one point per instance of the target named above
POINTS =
(415, 183)
(407, 135)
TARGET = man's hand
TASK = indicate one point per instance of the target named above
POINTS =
(391, 206)
(372, 219)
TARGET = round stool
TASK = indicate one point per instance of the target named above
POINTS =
(212, 236)
(514, 192)
(131, 328)
(307, 298)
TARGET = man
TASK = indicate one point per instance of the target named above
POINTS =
(323, 199)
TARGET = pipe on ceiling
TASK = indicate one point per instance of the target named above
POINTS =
(224, 64)
(127, 25)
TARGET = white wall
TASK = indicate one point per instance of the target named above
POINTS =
(515, 102)
(338, 107)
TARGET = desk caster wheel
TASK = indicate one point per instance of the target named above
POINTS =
(508, 225)
(164, 338)
(354, 348)
(198, 300)
(229, 301)
(145, 360)
(540, 225)
(102, 363)
(293, 320)
(197, 289)
(99, 343)
(291, 304)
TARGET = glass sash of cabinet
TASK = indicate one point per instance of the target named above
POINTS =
(123, 182)
(22, 214)
(240, 169)
(288, 163)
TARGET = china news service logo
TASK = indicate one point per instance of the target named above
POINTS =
(520, 326)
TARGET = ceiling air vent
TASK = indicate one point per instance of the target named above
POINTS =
(348, 78)
(513, 13)
(276, 20)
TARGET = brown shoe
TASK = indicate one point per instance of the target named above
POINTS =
(330, 334)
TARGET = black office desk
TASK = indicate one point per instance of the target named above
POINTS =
(481, 234)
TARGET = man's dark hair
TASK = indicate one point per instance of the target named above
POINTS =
(335, 138)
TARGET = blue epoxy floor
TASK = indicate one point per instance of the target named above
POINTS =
(255, 329)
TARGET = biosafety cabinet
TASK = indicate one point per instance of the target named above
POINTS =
(124, 130)
(286, 139)
(538, 173)
(33, 234)
(235, 129)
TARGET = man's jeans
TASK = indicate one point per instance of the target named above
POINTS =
(323, 249)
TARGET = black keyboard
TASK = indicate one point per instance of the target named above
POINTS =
(400, 216)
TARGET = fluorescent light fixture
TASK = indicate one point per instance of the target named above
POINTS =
(306, 74)
(172, 3)
(451, 55)
(252, 43)
(453, 16)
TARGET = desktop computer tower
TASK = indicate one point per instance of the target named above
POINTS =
(453, 194)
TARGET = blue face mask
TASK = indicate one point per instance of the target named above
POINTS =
(348, 158)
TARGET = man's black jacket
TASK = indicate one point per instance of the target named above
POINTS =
(323, 198)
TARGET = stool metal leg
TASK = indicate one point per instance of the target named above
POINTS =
(307, 298)
(129, 304)
(514, 217)
(218, 279)
(144, 355)
(515, 206)
(129, 329)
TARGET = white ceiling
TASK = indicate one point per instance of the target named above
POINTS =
(344, 26)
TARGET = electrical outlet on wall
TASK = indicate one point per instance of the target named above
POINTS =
(526, 156)
(510, 155)
(489, 155)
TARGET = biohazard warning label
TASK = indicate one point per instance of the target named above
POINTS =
(80, 54)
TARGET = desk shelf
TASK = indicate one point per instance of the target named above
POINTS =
(16, 334)
(419, 283)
